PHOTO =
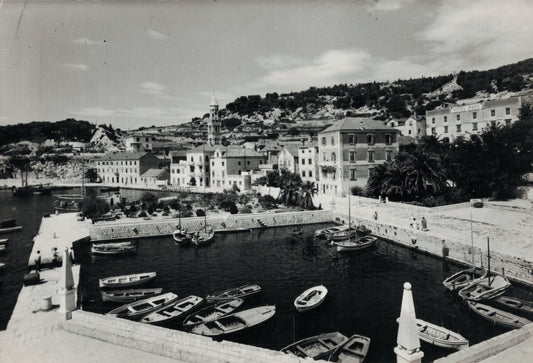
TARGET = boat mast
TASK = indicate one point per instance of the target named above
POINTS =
(349, 218)
(82, 175)
(488, 257)
(472, 239)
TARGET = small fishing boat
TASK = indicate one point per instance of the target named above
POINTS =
(174, 311)
(353, 350)
(463, 278)
(342, 235)
(182, 237)
(109, 249)
(363, 230)
(3, 241)
(3, 248)
(212, 312)
(323, 232)
(237, 292)
(3, 265)
(362, 243)
(497, 316)
(203, 238)
(440, 336)
(514, 304)
(115, 244)
(127, 296)
(317, 347)
(142, 307)
(485, 289)
(127, 280)
(311, 298)
(236, 321)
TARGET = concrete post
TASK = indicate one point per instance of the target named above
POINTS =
(67, 291)
(408, 348)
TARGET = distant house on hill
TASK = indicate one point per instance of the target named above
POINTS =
(124, 168)
(409, 126)
(155, 178)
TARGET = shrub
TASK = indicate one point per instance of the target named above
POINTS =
(478, 204)
(432, 201)
(200, 213)
(246, 209)
(142, 214)
(357, 190)
(267, 202)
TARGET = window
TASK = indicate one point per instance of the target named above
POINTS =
(388, 139)
(409, 132)
(433, 120)
(369, 139)
(191, 168)
(323, 141)
(310, 174)
(493, 113)
(222, 163)
(507, 110)
(247, 162)
(445, 118)
(309, 161)
(353, 174)
(332, 140)
(351, 139)
(324, 156)
(212, 163)
(352, 156)
(474, 115)
(389, 155)
(433, 131)
(333, 157)
(474, 126)
(458, 117)
(493, 123)
(239, 163)
(458, 128)
(507, 122)
(445, 129)
(303, 161)
(418, 131)
(371, 156)
(303, 173)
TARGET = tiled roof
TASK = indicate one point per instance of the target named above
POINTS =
(241, 152)
(357, 124)
(292, 149)
(123, 155)
(153, 173)
(501, 102)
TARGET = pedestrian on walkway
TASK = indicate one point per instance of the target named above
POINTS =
(424, 224)
(71, 255)
(38, 261)
(375, 215)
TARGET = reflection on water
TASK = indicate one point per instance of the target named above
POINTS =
(365, 288)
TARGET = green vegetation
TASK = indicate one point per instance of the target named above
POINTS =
(94, 208)
(293, 191)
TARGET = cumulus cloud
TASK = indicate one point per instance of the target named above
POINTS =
(75, 67)
(148, 113)
(152, 34)
(481, 33)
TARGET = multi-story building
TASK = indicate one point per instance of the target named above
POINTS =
(139, 143)
(235, 166)
(450, 121)
(195, 170)
(308, 161)
(349, 149)
(288, 158)
(411, 126)
(124, 168)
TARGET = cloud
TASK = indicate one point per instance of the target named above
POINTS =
(157, 90)
(482, 33)
(152, 34)
(148, 113)
(88, 41)
(389, 5)
(75, 67)
(279, 61)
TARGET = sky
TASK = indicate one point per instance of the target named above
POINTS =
(143, 63)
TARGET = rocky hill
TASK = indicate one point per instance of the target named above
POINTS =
(106, 139)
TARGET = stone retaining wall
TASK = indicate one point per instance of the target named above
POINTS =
(174, 344)
(513, 267)
(125, 229)
(490, 347)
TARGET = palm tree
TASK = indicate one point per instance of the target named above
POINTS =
(289, 192)
(307, 191)
(375, 181)
(423, 174)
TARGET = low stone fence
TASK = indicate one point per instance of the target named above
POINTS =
(513, 267)
(182, 346)
(125, 229)
(490, 347)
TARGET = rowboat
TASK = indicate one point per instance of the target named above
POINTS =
(440, 336)
(108, 249)
(115, 244)
(3, 248)
(238, 292)
(362, 243)
(3, 265)
(515, 304)
(488, 288)
(311, 298)
(342, 235)
(10, 229)
(182, 237)
(212, 312)
(323, 232)
(353, 350)
(174, 311)
(463, 278)
(317, 347)
(127, 280)
(497, 316)
(142, 307)
(236, 321)
(3, 241)
(203, 238)
(127, 296)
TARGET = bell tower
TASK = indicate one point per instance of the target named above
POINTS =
(213, 125)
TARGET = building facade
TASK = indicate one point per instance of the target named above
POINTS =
(349, 149)
(308, 162)
(235, 166)
(139, 143)
(124, 168)
(288, 159)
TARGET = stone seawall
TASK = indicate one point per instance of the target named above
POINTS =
(126, 229)
(512, 267)
(174, 344)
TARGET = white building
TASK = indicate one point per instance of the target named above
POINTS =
(308, 162)
(139, 143)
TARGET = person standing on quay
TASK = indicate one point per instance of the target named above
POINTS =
(424, 224)
(38, 261)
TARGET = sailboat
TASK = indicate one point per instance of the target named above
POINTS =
(349, 245)
(180, 235)
(203, 238)
(463, 278)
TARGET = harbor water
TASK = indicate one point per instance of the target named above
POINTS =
(365, 288)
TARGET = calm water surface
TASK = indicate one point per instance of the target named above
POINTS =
(365, 289)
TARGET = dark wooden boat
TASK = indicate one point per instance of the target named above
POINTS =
(485, 289)
(323, 232)
(110, 249)
(236, 321)
(131, 295)
(212, 312)
(142, 307)
(238, 292)
(466, 277)
(174, 311)
(514, 304)
(317, 347)
(203, 238)
(342, 234)
(127, 280)
(353, 350)
(182, 237)
(497, 316)
(440, 336)
(360, 244)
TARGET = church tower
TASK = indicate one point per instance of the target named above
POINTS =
(213, 125)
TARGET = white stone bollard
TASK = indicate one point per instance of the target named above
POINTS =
(408, 348)
(67, 291)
